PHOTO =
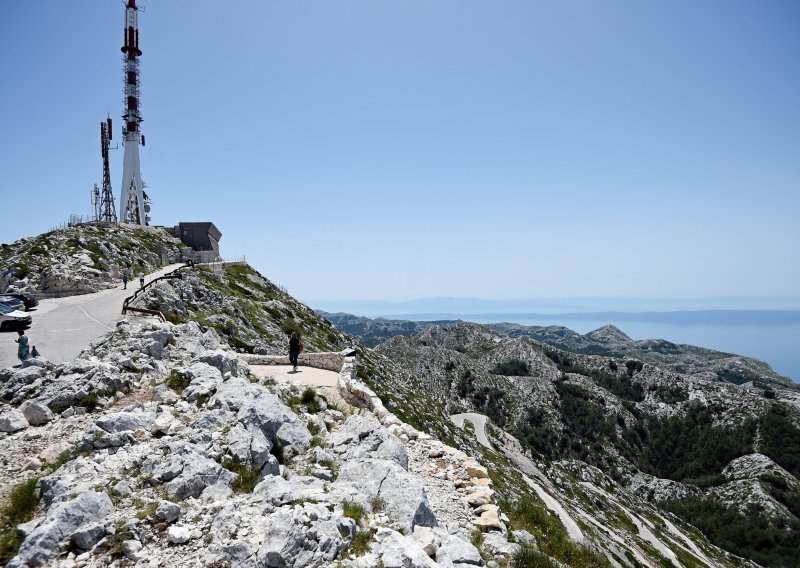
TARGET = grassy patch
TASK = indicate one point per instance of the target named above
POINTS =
(247, 477)
(361, 543)
(530, 558)
(353, 510)
(147, 512)
(116, 540)
(20, 508)
(531, 515)
(377, 504)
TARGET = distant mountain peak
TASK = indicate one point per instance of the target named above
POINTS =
(608, 334)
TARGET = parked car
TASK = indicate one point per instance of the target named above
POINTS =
(13, 302)
(29, 300)
(10, 319)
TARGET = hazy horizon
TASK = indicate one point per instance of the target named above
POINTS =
(444, 305)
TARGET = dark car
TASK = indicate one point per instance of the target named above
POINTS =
(15, 304)
(9, 319)
(29, 300)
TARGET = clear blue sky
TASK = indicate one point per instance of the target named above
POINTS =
(411, 148)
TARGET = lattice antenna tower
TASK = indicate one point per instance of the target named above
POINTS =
(106, 211)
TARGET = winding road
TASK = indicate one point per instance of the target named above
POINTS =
(478, 421)
(63, 327)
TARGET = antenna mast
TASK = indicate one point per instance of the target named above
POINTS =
(106, 211)
(134, 203)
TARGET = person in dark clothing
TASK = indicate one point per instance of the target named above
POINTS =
(124, 280)
(294, 349)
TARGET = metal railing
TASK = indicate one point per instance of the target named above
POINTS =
(168, 276)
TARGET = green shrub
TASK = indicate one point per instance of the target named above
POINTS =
(247, 477)
(289, 326)
(377, 504)
(752, 535)
(177, 381)
(780, 438)
(353, 510)
(310, 400)
(476, 538)
(633, 366)
(115, 542)
(277, 451)
(361, 543)
(512, 368)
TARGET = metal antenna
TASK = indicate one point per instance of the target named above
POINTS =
(132, 193)
(106, 212)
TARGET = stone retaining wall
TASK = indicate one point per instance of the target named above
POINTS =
(328, 361)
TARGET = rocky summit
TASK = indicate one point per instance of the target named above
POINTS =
(84, 259)
(172, 443)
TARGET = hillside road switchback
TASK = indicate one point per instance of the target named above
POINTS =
(478, 420)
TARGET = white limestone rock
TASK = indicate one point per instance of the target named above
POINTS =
(12, 420)
(47, 539)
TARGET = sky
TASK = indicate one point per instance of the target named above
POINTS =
(400, 149)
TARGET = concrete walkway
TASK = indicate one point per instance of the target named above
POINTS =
(63, 327)
(478, 421)
(327, 382)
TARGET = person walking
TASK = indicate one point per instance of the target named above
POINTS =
(141, 280)
(294, 349)
(22, 350)
(124, 280)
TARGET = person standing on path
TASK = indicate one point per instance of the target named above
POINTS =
(124, 280)
(22, 350)
(294, 349)
(141, 280)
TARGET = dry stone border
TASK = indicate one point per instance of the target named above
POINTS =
(436, 461)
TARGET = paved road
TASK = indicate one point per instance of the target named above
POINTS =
(478, 420)
(62, 327)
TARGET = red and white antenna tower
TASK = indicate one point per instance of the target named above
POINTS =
(134, 203)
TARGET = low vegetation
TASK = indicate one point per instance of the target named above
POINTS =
(20, 508)
(751, 534)
(512, 368)
(247, 476)
(530, 514)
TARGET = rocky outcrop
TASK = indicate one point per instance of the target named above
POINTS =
(85, 259)
(222, 468)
